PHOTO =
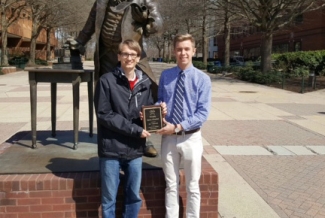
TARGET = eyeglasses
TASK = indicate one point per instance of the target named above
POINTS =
(126, 55)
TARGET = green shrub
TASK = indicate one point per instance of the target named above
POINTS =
(169, 60)
(246, 74)
(300, 63)
(18, 60)
(41, 62)
(223, 69)
(199, 65)
(250, 75)
(215, 69)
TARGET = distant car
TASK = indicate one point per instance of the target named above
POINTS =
(237, 61)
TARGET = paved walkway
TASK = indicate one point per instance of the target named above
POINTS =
(267, 144)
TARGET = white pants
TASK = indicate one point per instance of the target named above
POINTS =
(173, 149)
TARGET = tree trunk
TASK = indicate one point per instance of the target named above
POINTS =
(188, 25)
(164, 49)
(227, 37)
(4, 41)
(169, 50)
(32, 48)
(48, 44)
(266, 53)
(204, 41)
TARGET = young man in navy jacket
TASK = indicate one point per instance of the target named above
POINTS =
(119, 97)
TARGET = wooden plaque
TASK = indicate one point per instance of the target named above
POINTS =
(152, 118)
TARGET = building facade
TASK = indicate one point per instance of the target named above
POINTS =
(306, 34)
(19, 37)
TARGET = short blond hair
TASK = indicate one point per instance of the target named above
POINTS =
(132, 44)
(183, 37)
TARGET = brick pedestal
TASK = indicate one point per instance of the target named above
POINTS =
(6, 70)
(78, 194)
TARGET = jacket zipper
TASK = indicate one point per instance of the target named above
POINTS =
(136, 94)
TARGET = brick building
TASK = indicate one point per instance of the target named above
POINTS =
(306, 34)
(19, 37)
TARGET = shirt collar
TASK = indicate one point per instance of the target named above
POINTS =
(186, 70)
(138, 73)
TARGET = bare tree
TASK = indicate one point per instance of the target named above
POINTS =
(196, 16)
(271, 16)
(169, 10)
(190, 16)
(225, 18)
(72, 18)
(38, 11)
(157, 42)
(51, 14)
(227, 22)
(66, 14)
(205, 38)
(10, 11)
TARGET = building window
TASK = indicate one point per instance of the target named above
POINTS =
(281, 48)
(299, 18)
(297, 46)
(215, 41)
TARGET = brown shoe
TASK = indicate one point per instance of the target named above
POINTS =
(150, 150)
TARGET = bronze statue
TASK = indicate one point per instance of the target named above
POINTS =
(113, 21)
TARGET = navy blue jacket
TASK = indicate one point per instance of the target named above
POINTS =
(117, 108)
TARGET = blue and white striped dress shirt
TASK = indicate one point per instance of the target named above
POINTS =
(197, 96)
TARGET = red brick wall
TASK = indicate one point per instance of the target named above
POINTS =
(310, 33)
(78, 195)
(23, 29)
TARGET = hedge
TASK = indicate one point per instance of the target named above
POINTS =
(300, 63)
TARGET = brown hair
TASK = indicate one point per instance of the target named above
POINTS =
(133, 45)
(183, 37)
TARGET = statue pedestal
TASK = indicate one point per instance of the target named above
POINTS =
(68, 194)
(6, 70)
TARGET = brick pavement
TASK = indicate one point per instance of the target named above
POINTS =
(301, 109)
(294, 186)
(258, 132)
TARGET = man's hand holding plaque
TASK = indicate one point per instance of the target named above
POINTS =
(152, 116)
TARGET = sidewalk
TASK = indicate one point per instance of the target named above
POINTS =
(267, 145)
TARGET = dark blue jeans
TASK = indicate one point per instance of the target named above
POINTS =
(110, 179)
